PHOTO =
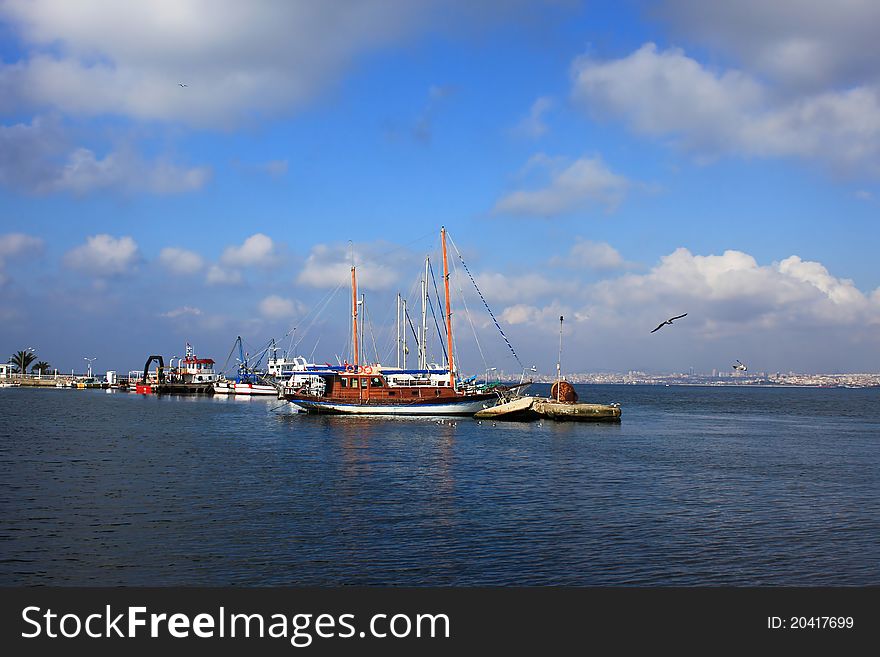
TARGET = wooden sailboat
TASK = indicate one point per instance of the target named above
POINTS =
(371, 389)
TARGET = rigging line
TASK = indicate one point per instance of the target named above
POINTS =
(437, 325)
(312, 355)
(439, 305)
(411, 327)
(315, 310)
(400, 247)
(230, 354)
(372, 335)
(315, 315)
(467, 313)
(491, 314)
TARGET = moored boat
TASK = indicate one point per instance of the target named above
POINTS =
(248, 381)
(191, 376)
(372, 389)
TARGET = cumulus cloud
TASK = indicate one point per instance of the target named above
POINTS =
(96, 57)
(277, 307)
(669, 95)
(218, 275)
(800, 45)
(585, 254)
(181, 261)
(104, 256)
(566, 187)
(14, 245)
(503, 288)
(725, 292)
(778, 315)
(520, 314)
(533, 125)
(257, 250)
(37, 158)
(378, 265)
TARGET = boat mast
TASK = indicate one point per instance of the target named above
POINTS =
(423, 342)
(448, 308)
(559, 363)
(354, 316)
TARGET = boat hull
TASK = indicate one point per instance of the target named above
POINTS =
(462, 407)
(246, 389)
(255, 389)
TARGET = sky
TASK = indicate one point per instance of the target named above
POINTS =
(194, 170)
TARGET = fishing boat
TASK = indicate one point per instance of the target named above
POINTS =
(359, 388)
(191, 376)
(248, 381)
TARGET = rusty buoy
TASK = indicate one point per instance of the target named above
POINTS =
(563, 391)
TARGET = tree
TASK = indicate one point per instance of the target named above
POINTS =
(21, 360)
(41, 368)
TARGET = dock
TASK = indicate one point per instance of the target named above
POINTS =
(533, 408)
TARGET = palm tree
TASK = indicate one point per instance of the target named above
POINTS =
(21, 359)
(41, 367)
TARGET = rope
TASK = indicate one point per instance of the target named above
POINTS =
(436, 325)
(491, 314)
(467, 313)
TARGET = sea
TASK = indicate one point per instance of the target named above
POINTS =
(696, 486)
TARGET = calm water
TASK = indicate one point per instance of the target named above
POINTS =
(697, 486)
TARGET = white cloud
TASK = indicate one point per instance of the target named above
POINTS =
(256, 250)
(377, 269)
(533, 125)
(104, 256)
(181, 261)
(790, 314)
(669, 95)
(277, 307)
(502, 288)
(520, 314)
(571, 187)
(591, 255)
(218, 275)
(724, 293)
(14, 245)
(36, 158)
(95, 57)
(800, 45)
(182, 312)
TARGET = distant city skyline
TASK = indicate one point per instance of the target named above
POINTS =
(198, 171)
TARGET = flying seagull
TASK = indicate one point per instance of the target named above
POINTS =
(669, 321)
(739, 365)
(182, 84)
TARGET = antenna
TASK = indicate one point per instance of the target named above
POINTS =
(559, 361)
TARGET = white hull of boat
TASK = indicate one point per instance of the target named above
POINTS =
(255, 389)
(247, 389)
(447, 408)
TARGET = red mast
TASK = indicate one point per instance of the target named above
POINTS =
(354, 317)
(448, 308)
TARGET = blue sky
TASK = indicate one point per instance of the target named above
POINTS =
(616, 163)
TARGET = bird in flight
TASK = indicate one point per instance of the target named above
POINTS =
(182, 84)
(668, 321)
(739, 365)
